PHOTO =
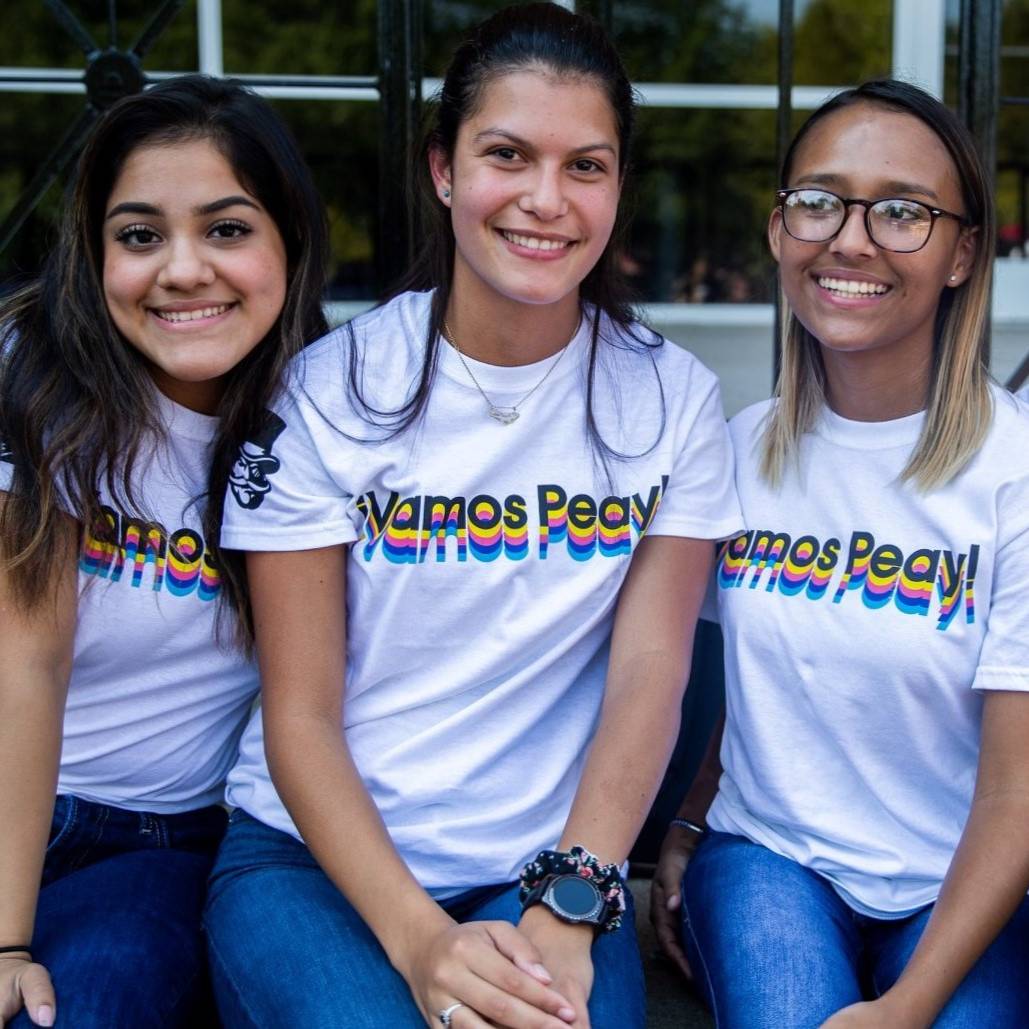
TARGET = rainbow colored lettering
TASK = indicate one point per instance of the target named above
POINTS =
(416, 529)
(179, 562)
(882, 574)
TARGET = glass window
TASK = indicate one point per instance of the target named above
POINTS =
(35, 38)
(842, 42)
(1011, 271)
(718, 41)
(300, 37)
(340, 142)
(30, 126)
(700, 193)
(1013, 130)
(446, 22)
(702, 177)
(711, 41)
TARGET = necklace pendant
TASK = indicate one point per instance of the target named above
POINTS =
(504, 415)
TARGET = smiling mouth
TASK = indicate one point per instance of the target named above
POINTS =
(852, 287)
(191, 316)
(535, 242)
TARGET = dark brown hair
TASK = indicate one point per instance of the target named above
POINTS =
(76, 400)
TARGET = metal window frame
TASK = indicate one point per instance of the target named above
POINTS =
(400, 88)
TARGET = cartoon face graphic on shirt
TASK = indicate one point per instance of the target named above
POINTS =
(248, 478)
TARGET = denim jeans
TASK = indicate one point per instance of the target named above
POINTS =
(288, 950)
(773, 945)
(118, 920)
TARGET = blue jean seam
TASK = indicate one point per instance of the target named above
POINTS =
(700, 954)
(85, 854)
(239, 995)
(67, 826)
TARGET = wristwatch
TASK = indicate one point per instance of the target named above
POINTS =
(572, 898)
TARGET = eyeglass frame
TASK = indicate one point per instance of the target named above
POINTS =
(782, 195)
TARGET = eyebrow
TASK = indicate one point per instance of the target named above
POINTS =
(892, 187)
(136, 207)
(481, 137)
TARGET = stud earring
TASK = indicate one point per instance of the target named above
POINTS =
(953, 278)
(446, 196)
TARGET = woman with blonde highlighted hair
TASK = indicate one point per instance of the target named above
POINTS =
(866, 859)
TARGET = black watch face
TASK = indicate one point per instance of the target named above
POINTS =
(575, 895)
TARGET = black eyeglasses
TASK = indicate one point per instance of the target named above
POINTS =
(894, 223)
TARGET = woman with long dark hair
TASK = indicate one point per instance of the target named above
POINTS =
(187, 273)
(868, 855)
(475, 575)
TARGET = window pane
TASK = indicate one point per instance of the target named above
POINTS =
(717, 41)
(1013, 131)
(842, 42)
(340, 142)
(952, 33)
(1014, 52)
(446, 23)
(703, 183)
(300, 37)
(30, 126)
(35, 38)
(708, 41)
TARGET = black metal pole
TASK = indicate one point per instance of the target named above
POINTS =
(783, 133)
(71, 25)
(979, 84)
(400, 88)
(979, 74)
(161, 19)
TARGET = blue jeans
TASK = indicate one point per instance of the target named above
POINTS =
(118, 920)
(773, 945)
(288, 950)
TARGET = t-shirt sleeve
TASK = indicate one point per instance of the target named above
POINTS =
(700, 499)
(285, 489)
(1004, 658)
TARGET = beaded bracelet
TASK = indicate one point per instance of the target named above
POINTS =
(578, 861)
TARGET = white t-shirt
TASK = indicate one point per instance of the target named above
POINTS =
(862, 620)
(1023, 393)
(485, 566)
(155, 706)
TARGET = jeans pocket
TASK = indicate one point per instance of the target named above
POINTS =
(66, 809)
(62, 845)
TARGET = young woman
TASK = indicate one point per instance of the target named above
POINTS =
(188, 271)
(870, 837)
(469, 481)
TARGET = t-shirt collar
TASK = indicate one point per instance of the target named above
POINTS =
(897, 432)
(181, 421)
(502, 379)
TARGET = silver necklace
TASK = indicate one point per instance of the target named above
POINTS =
(499, 412)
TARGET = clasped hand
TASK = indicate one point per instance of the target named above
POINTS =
(494, 971)
(23, 983)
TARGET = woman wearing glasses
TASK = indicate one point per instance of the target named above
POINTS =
(867, 858)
